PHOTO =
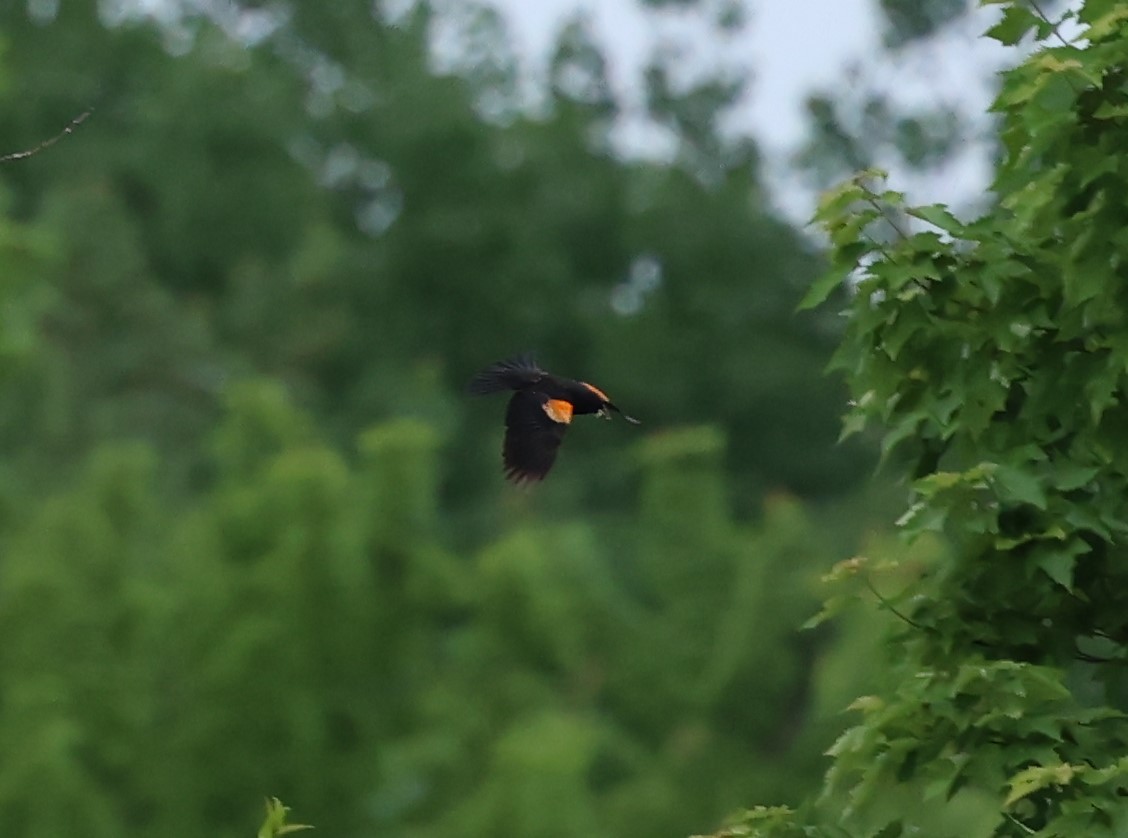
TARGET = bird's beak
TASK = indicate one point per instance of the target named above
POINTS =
(607, 415)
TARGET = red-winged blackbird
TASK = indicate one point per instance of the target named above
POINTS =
(539, 412)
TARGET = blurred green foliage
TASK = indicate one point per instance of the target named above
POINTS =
(254, 540)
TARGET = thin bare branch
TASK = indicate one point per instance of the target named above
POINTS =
(74, 123)
(1053, 26)
(890, 606)
(871, 199)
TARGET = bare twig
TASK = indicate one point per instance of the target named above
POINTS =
(1053, 26)
(923, 286)
(890, 606)
(74, 123)
(1020, 824)
(871, 199)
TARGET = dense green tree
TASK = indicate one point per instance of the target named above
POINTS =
(993, 352)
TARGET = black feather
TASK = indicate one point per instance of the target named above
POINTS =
(532, 438)
(510, 374)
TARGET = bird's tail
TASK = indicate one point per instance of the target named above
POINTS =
(509, 374)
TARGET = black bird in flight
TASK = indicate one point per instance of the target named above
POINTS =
(539, 412)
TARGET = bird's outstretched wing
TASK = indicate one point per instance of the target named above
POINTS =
(534, 427)
(510, 374)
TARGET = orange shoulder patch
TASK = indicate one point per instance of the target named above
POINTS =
(558, 410)
(596, 390)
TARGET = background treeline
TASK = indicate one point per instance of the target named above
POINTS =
(253, 538)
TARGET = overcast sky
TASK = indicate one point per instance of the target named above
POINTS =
(792, 47)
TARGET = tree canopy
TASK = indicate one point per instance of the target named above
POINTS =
(256, 540)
